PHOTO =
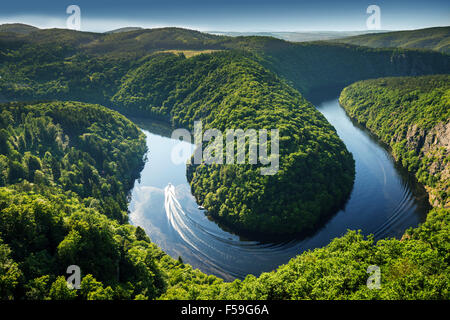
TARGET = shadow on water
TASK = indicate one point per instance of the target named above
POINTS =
(385, 201)
(154, 126)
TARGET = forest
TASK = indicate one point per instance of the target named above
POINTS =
(237, 87)
(408, 114)
(417, 133)
(228, 90)
(89, 67)
(66, 167)
(225, 90)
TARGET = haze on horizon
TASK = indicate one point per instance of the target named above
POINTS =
(231, 15)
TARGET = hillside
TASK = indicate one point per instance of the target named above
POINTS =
(229, 90)
(297, 36)
(125, 29)
(411, 114)
(66, 167)
(309, 67)
(419, 131)
(63, 178)
(317, 67)
(212, 87)
(437, 39)
(137, 42)
(17, 28)
(55, 146)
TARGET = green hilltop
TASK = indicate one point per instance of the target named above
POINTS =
(17, 28)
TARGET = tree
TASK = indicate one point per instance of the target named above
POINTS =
(10, 273)
(59, 290)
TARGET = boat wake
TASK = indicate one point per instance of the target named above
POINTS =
(203, 241)
(383, 203)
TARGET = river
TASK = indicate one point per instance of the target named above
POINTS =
(385, 201)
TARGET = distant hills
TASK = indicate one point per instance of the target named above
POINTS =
(288, 36)
(17, 28)
(298, 36)
(305, 65)
(25, 28)
(137, 41)
(437, 39)
(126, 29)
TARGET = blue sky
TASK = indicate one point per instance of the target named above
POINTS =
(230, 15)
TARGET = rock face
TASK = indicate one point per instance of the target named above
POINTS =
(423, 141)
(415, 138)
(439, 136)
(434, 146)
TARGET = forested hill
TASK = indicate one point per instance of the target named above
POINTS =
(17, 28)
(135, 42)
(103, 57)
(229, 90)
(241, 86)
(430, 38)
(315, 67)
(412, 116)
(65, 167)
(65, 171)
(67, 146)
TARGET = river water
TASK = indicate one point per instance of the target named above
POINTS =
(385, 201)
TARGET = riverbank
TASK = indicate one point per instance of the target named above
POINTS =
(414, 267)
(412, 116)
(385, 201)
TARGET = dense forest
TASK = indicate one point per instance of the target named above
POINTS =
(411, 115)
(44, 228)
(66, 167)
(65, 145)
(236, 88)
(228, 90)
(57, 63)
(419, 132)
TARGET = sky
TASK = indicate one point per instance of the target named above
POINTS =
(230, 15)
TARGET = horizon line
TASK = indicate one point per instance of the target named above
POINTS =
(222, 31)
